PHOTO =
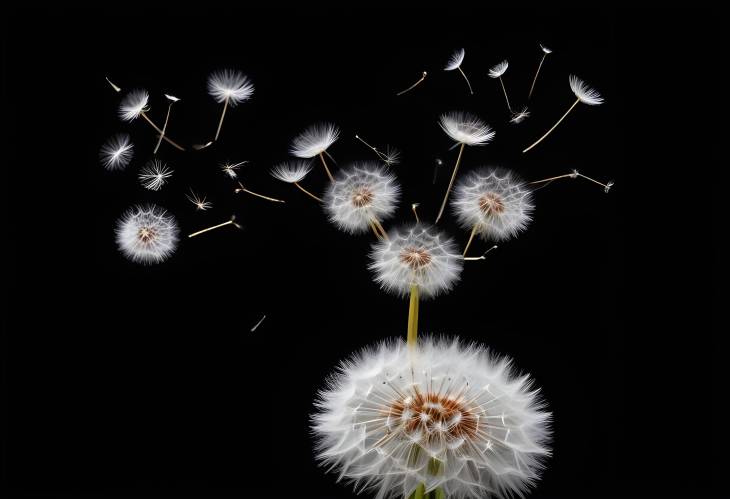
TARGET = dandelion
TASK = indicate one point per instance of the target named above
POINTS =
(447, 418)
(232, 221)
(134, 105)
(575, 174)
(423, 77)
(545, 52)
(154, 175)
(200, 203)
(229, 87)
(493, 203)
(314, 141)
(497, 72)
(232, 169)
(455, 63)
(241, 188)
(520, 116)
(583, 93)
(117, 152)
(465, 129)
(147, 234)
(390, 157)
(172, 100)
(294, 172)
(361, 197)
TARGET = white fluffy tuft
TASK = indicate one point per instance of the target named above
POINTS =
(520, 116)
(359, 194)
(586, 94)
(230, 85)
(133, 104)
(416, 254)
(154, 175)
(499, 69)
(314, 140)
(117, 152)
(291, 171)
(448, 415)
(545, 49)
(466, 128)
(147, 234)
(455, 60)
(494, 200)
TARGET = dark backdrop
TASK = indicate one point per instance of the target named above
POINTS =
(132, 381)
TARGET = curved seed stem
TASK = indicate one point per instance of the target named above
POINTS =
(468, 243)
(324, 163)
(164, 128)
(172, 142)
(553, 128)
(220, 123)
(380, 228)
(505, 94)
(305, 191)
(535, 78)
(467, 80)
(451, 183)
(412, 86)
(243, 189)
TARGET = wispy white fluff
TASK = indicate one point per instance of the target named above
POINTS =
(416, 254)
(520, 116)
(389, 417)
(495, 201)
(466, 128)
(314, 140)
(499, 69)
(232, 169)
(171, 98)
(361, 193)
(199, 201)
(545, 49)
(582, 91)
(455, 60)
(117, 152)
(230, 85)
(133, 104)
(147, 234)
(291, 171)
(154, 175)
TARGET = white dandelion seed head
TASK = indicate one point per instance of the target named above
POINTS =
(499, 69)
(171, 98)
(291, 171)
(199, 201)
(545, 49)
(494, 200)
(455, 60)
(133, 104)
(416, 254)
(314, 140)
(361, 193)
(582, 91)
(389, 417)
(391, 156)
(466, 128)
(231, 169)
(117, 152)
(147, 234)
(520, 116)
(154, 175)
(230, 85)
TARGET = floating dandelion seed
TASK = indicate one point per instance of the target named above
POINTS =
(575, 174)
(134, 105)
(497, 72)
(390, 157)
(520, 116)
(361, 197)
(465, 129)
(154, 175)
(232, 221)
(231, 169)
(314, 141)
(294, 172)
(446, 418)
(583, 93)
(545, 52)
(172, 100)
(256, 326)
(116, 88)
(493, 203)
(414, 209)
(200, 203)
(117, 152)
(455, 63)
(241, 188)
(423, 77)
(147, 234)
(229, 87)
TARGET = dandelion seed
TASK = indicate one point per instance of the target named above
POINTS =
(455, 63)
(294, 172)
(520, 116)
(200, 203)
(154, 175)
(314, 141)
(545, 52)
(497, 72)
(229, 87)
(147, 234)
(258, 324)
(391, 156)
(232, 221)
(575, 174)
(116, 88)
(231, 169)
(583, 93)
(414, 207)
(134, 105)
(423, 77)
(172, 100)
(241, 188)
(117, 152)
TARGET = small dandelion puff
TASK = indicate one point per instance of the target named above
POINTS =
(231, 169)
(493, 203)
(449, 418)
(134, 105)
(465, 129)
(154, 175)
(117, 152)
(229, 87)
(545, 52)
(454, 62)
(520, 116)
(423, 77)
(200, 203)
(314, 141)
(496, 72)
(361, 197)
(583, 93)
(293, 172)
(147, 234)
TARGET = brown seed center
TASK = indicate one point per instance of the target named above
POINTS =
(146, 234)
(490, 203)
(362, 197)
(415, 258)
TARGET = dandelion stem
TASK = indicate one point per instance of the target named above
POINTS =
(467, 80)
(220, 123)
(212, 228)
(471, 237)
(243, 189)
(418, 494)
(575, 174)
(483, 257)
(172, 142)
(375, 150)
(412, 86)
(305, 191)
(164, 128)
(380, 228)
(413, 317)
(505, 94)
(553, 128)
(451, 183)
(535, 78)
(324, 163)
(414, 206)
(375, 230)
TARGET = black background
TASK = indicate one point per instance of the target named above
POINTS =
(131, 381)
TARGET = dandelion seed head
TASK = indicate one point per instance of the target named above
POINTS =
(154, 175)
(200, 203)
(133, 104)
(582, 91)
(545, 49)
(231, 169)
(314, 140)
(466, 128)
(455, 60)
(291, 171)
(230, 85)
(117, 152)
(499, 69)
(520, 116)
(391, 156)
(147, 234)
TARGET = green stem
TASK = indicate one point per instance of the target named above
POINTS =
(413, 317)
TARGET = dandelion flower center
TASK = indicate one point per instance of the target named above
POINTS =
(491, 203)
(146, 234)
(362, 197)
(416, 258)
